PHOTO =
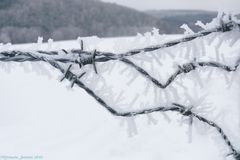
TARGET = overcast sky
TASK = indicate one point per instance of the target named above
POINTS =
(229, 5)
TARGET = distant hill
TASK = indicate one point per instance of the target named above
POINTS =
(175, 18)
(24, 20)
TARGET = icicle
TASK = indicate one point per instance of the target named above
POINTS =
(201, 128)
(132, 127)
(6, 47)
(197, 78)
(104, 91)
(69, 88)
(196, 101)
(110, 69)
(125, 69)
(100, 79)
(26, 67)
(189, 98)
(134, 77)
(139, 35)
(187, 29)
(171, 55)
(147, 88)
(188, 50)
(235, 19)
(167, 97)
(156, 97)
(50, 43)
(195, 50)
(134, 101)
(209, 75)
(79, 39)
(181, 85)
(217, 47)
(220, 15)
(147, 37)
(203, 47)
(187, 54)
(122, 121)
(102, 68)
(119, 98)
(183, 120)
(137, 38)
(235, 38)
(147, 58)
(153, 70)
(155, 32)
(166, 117)
(40, 40)
(174, 93)
(211, 39)
(231, 80)
(41, 70)
(151, 120)
(224, 73)
(189, 132)
(227, 80)
(239, 112)
(200, 24)
(142, 63)
(107, 93)
(156, 59)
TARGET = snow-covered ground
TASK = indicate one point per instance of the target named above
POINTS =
(39, 116)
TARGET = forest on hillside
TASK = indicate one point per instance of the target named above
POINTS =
(22, 21)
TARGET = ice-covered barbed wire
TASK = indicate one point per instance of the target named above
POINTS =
(19, 56)
(62, 58)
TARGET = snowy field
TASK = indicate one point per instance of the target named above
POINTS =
(41, 118)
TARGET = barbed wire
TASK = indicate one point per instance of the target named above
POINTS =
(174, 107)
(18, 56)
(82, 58)
(88, 57)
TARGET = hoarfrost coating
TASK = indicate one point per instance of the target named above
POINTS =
(63, 124)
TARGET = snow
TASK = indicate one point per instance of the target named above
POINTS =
(39, 116)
